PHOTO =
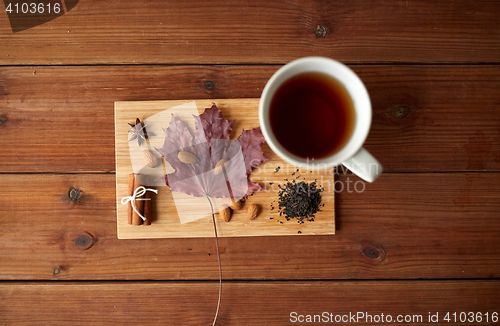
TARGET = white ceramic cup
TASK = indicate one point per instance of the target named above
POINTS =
(352, 155)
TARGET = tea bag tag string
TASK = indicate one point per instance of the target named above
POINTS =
(139, 192)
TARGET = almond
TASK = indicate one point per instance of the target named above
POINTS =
(187, 157)
(221, 166)
(237, 205)
(225, 213)
(150, 159)
(252, 212)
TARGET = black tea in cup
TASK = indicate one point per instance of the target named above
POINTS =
(312, 115)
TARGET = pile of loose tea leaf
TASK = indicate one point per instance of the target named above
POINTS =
(299, 200)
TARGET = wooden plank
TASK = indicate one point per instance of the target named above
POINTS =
(97, 32)
(248, 303)
(426, 118)
(402, 226)
(170, 206)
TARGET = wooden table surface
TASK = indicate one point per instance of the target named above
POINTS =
(424, 238)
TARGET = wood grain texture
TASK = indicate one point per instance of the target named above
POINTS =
(171, 207)
(243, 303)
(109, 32)
(426, 118)
(436, 225)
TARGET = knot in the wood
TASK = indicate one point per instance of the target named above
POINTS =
(398, 111)
(3, 120)
(74, 194)
(320, 31)
(209, 85)
(85, 241)
(371, 252)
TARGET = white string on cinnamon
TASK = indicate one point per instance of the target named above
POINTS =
(139, 192)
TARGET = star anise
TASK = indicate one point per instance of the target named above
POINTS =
(137, 132)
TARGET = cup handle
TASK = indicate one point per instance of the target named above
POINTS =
(364, 165)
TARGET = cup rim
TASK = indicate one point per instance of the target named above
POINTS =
(355, 88)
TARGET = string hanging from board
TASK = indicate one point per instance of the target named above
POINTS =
(218, 259)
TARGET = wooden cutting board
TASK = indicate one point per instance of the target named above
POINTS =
(166, 223)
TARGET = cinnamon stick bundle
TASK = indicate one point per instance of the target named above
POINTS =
(142, 206)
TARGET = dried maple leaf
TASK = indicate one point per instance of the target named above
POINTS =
(211, 144)
(251, 142)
